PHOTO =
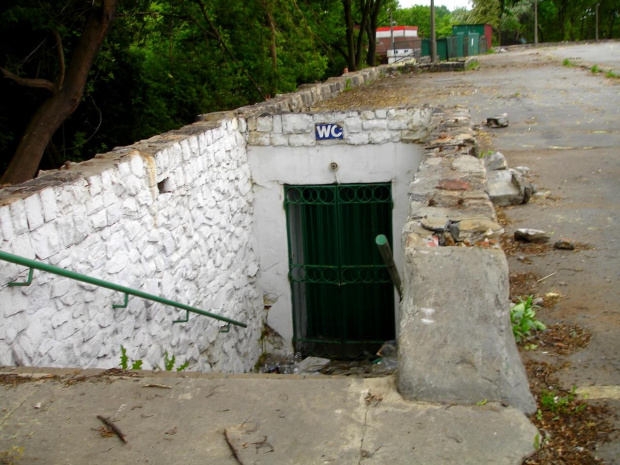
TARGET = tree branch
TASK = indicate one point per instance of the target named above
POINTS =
(29, 82)
(60, 80)
(225, 47)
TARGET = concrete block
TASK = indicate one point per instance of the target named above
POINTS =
(94, 204)
(302, 140)
(46, 241)
(352, 124)
(495, 161)
(99, 220)
(49, 205)
(22, 245)
(481, 361)
(95, 184)
(34, 211)
(186, 152)
(61, 286)
(18, 217)
(380, 137)
(501, 188)
(373, 124)
(264, 124)
(381, 113)
(6, 224)
(397, 124)
(468, 164)
(295, 123)
(113, 215)
(117, 263)
(360, 138)
(258, 139)
(278, 140)
(414, 136)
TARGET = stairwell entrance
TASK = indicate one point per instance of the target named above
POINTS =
(343, 298)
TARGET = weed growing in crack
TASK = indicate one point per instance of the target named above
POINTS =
(523, 319)
(135, 364)
(169, 362)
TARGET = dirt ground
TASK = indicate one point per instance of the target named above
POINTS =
(564, 126)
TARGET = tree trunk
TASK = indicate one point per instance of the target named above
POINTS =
(65, 98)
(348, 21)
(363, 25)
(372, 33)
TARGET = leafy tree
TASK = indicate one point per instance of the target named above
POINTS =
(420, 15)
(163, 63)
(50, 46)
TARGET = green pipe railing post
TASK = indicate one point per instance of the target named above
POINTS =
(33, 264)
(28, 281)
(388, 258)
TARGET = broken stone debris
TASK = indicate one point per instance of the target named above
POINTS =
(531, 235)
(295, 365)
(564, 244)
(500, 121)
(495, 161)
(312, 365)
(506, 186)
(468, 231)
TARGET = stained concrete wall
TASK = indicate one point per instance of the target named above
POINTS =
(282, 149)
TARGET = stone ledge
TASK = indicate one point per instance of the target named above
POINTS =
(455, 342)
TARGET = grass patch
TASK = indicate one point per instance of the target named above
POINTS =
(474, 64)
(595, 69)
(611, 75)
(567, 63)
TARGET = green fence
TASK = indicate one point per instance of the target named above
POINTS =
(458, 46)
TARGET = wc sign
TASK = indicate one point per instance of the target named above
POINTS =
(326, 131)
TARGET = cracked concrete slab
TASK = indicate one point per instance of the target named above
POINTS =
(266, 418)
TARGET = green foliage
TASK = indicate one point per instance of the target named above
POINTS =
(567, 63)
(124, 358)
(561, 404)
(420, 15)
(472, 65)
(611, 75)
(135, 364)
(170, 361)
(595, 69)
(523, 319)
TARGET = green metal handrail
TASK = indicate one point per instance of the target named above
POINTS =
(32, 264)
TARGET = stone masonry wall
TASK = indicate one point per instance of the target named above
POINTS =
(360, 127)
(171, 216)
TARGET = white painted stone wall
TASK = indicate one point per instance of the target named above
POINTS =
(283, 150)
(171, 216)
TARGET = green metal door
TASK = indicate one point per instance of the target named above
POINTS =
(460, 41)
(473, 44)
(343, 298)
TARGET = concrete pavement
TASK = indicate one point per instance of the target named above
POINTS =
(171, 418)
(606, 55)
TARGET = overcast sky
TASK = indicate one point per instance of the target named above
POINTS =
(451, 4)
